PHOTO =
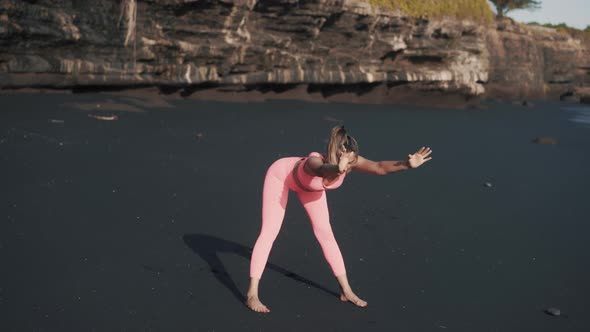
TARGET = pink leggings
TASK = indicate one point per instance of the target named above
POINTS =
(277, 183)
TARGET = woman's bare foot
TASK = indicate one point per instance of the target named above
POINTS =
(350, 296)
(254, 303)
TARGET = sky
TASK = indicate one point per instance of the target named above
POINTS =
(575, 13)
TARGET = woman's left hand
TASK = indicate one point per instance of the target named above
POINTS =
(420, 157)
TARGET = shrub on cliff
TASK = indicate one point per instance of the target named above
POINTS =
(478, 10)
(504, 6)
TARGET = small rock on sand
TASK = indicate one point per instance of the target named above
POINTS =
(553, 311)
(104, 117)
(545, 140)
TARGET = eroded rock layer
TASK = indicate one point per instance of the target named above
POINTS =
(326, 45)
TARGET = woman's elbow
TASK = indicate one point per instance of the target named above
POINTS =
(381, 171)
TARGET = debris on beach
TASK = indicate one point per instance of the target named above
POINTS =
(56, 121)
(524, 103)
(545, 140)
(488, 184)
(106, 106)
(199, 136)
(104, 117)
(553, 312)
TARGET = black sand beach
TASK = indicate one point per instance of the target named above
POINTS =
(146, 222)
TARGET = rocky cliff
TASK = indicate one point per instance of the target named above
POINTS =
(328, 47)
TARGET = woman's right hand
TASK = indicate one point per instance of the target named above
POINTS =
(345, 159)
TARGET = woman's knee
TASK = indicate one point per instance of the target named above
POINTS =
(323, 232)
(268, 235)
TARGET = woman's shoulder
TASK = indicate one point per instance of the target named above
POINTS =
(315, 160)
(316, 154)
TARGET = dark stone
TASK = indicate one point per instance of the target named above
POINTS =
(553, 311)
(545, 140)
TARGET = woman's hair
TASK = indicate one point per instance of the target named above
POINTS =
(339, 138)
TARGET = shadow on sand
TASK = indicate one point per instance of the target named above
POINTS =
(208, 247)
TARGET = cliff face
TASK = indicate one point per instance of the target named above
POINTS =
(528, 61)
(325, 45)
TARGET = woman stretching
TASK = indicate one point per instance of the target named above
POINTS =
(310, 177)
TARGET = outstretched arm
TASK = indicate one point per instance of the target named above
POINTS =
(385, 167)
(364, 165)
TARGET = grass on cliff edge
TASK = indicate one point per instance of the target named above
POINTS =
(584, 35)
(477, 10)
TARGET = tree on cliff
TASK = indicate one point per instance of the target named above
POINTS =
(504, 6)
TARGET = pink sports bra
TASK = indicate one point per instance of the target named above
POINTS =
(312, 182)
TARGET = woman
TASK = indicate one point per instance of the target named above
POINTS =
(310, 177)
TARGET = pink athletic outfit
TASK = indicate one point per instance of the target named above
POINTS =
(312, 194)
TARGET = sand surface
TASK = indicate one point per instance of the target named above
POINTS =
(145, 222)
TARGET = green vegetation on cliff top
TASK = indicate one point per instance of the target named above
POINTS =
(478, 10)
(584, 35)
